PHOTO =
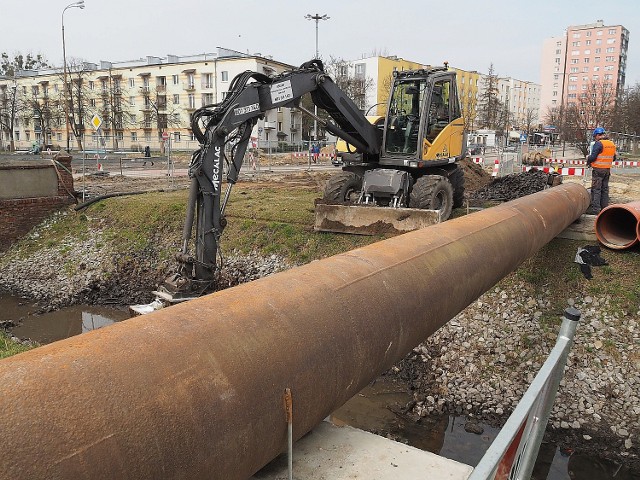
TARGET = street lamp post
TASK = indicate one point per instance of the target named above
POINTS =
(80, 5)
(317, 18)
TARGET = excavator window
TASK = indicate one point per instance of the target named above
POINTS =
(439, 113)
(404, 116)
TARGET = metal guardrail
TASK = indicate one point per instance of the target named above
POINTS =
(513, 453)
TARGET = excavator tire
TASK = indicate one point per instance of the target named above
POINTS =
(457, 182)
(433, 192)
(343, 187)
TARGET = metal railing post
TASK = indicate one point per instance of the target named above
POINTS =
(513, 453)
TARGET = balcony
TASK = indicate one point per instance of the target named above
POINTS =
(147, 126)
(189, 86)
(295, 127)
(161, 88)
(269, 125)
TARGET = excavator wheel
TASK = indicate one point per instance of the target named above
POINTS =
(343, 187)
(433, 192)
(457, 182)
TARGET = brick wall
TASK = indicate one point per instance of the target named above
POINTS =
(19, 215)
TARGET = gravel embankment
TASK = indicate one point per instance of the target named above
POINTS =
(483, 360)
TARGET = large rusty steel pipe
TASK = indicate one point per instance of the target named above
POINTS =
(618, 226)
(196, 390)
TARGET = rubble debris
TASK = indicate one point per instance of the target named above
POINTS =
(512, 186)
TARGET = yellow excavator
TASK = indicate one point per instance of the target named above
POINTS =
(404, 167)
(414, 176)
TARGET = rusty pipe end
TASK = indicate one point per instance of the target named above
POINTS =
(618, 226)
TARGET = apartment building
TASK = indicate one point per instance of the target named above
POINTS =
(522, 100)
(588, 59)
(136, 101)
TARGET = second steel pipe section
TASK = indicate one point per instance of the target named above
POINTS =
(196, 390)
(618, 226)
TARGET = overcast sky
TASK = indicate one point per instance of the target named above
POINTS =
(468, 34)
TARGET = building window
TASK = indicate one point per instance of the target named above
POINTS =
(599, 41)
(360, 69)
(587, 52)
(92, 86)
(586, 60)
(573, 78)
(176, 136)
(133, 118)
(176, 99)
(132, 101)
(611, 49)
(611, 41)
(35, 90)
(574, 60)
(612, 31)
(572, 70)
(207, 99)
(176, 79)
(599, 33)
(92, 102)
(132, 82)
(608, 67)
(555, 94)
(572, 87)
(224, 76)
(595, 77)
(192, 100)
(576, 35)
(575, 52)
(575, 44)
(596, 69)
(597, 51)
(608, 76)
(596, 59)
(588, 42)
(161, 81)
(134, 136)
(610, 59)
(207, 80)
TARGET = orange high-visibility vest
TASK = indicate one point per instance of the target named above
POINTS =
(605, 159)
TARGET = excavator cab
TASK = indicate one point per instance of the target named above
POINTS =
(424, 118)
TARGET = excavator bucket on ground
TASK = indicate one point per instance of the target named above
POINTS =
(369, 220)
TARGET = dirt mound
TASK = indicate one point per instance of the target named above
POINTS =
(511, 187)
(475, 176)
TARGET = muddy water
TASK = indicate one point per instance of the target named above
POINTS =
(53, 326)
(371, 410)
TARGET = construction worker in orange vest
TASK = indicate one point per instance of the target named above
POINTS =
(600, 160)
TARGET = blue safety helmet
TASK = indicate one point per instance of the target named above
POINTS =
(598, 131)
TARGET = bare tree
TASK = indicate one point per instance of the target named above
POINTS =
(38, 107)
(356, 87)
(110, 105)
(10, 109)
(158, 113)
(591, 108)
(12, 103)
(469, 106)
(491, 112)
(530, 119)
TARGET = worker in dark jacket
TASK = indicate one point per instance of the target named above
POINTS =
(602, 156)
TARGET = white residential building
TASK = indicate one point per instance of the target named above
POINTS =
(143, 98)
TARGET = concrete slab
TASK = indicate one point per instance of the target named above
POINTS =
(583, 229)
(330, 452)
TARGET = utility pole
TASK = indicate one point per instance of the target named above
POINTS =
(317, 17)
(79, 5)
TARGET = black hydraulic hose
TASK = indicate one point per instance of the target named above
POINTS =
(84, 205)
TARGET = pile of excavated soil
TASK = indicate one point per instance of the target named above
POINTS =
(475, 177)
